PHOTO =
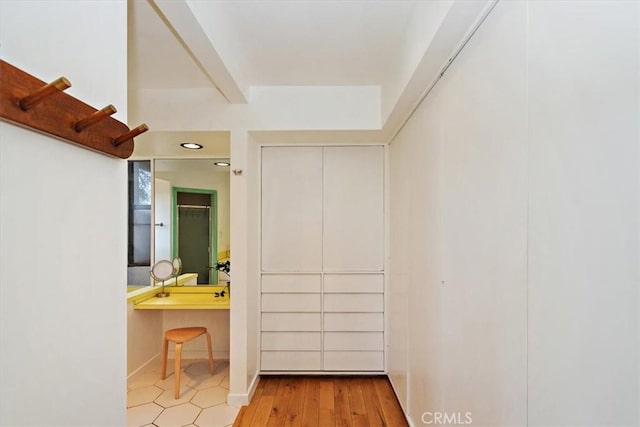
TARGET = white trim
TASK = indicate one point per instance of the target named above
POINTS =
(324, 143)
(404, 410)
(486, 11)
(141, 367)
(237, 399)
(320, 373)
(386, 215)
(243, 399)
(253, 385)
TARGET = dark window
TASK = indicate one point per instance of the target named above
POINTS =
(139, 213)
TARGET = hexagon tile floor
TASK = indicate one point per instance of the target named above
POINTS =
(202, 402)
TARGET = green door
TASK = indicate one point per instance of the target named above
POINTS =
(195, 232)
(193, 240)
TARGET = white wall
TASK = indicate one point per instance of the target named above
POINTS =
(458, 237)
(425, 21)
(583, 224)
(253, 274)
(144, 337)
(63, 228)
(240, 283)
(516, 184)
(314, 107)
(245, 283)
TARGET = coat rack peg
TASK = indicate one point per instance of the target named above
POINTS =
(36, 97)
(131, 134)
(94, 118)
(30, 102)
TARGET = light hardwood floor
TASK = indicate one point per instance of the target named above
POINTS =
(322, 401)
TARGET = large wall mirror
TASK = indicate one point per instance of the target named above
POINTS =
(179, 206)
(191, 217)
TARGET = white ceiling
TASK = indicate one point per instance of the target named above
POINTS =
(276, 43)
(166, 144)
(309, 43)
(189, 165)
(157, 60)
(397, 46)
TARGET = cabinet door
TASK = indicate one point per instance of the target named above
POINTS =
(291, 209)
(353, 208)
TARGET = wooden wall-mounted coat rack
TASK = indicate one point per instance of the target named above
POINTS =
(30, 102)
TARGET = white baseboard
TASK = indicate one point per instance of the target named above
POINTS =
(237, 399)
(242, 399)
(404, 411)
(144, 365)
(253, 385)
(325, 373)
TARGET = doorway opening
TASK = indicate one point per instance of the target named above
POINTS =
(195, 231)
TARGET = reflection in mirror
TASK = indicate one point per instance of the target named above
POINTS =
(139, 222)
(191, 218)
(177, 266)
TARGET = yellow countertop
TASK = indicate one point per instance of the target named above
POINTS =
(187, 298)
(141, 293)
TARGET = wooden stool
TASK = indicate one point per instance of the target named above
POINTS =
(180, 336)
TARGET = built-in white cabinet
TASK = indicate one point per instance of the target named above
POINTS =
(353, 332)
(353, 224)
(322, 283)
(292, 209)
(291, 337)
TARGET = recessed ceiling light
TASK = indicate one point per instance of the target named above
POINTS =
(191, 145)
(224, 164)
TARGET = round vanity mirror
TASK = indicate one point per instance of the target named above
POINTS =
(177, 266)
(161, 271)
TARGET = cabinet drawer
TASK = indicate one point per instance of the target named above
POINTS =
(364, 322)
(355, 341)
(353, 361)
(291, 322)
(354, 283)
(291, 302)
(300, 341)
(353, 303)
(301, 283)
(290, 360)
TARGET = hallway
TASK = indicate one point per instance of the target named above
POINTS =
(322, 401)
